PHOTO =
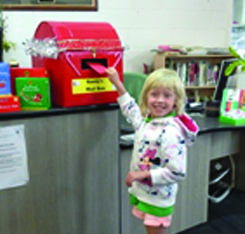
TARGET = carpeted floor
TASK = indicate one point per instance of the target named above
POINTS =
(226, 217)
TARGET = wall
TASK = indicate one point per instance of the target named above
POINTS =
(237, 11)
(141, 24)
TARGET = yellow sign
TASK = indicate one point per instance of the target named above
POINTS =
(91, 85)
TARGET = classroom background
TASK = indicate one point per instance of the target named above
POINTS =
(142, 25)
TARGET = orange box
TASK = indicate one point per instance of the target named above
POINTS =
(85, 50)
(25, 72)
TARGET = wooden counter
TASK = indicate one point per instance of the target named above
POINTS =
(77, 172)
(73, 159)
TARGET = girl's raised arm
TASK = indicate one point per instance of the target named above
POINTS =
(114, 78)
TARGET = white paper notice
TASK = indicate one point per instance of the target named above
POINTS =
(13, 157)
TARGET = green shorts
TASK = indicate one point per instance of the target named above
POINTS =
(150, 209)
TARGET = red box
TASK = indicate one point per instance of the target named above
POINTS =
(9, 103)
(74, 82)
(25, 72)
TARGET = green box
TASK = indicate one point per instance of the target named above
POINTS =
(33, 92)
(232, 107)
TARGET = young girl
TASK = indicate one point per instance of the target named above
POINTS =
(162, 133)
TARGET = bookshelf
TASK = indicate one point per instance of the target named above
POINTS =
(198, 72)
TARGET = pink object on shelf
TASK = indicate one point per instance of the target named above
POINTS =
(164, 48)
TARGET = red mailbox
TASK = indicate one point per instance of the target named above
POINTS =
(85, 49)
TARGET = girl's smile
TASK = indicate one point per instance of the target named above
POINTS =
(160, 101)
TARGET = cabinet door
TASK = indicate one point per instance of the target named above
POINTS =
(130, 224)
(192, 202)
(73, 167)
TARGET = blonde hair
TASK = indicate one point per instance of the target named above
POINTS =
(163, 78)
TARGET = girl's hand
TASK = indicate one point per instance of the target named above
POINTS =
(136, 175)
(113, 75)
(115, 79)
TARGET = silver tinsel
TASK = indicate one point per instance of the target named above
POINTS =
(42, 47)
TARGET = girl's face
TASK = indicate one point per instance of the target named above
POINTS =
(160, 102)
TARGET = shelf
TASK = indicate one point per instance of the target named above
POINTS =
(187, 64)
(199, 87)
(219, 176)
(207, 56)
(222, 191)
(159, 59)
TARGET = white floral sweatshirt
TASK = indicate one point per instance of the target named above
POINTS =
(160, 146)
